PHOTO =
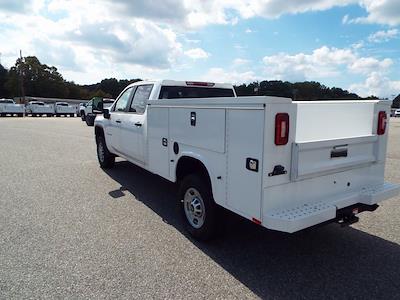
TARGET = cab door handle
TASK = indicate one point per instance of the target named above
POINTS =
(138, 124)
(118, 121)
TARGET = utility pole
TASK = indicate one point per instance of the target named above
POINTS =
(21, 77)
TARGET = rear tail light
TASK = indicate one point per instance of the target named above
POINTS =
(382, 121)
(281, 129)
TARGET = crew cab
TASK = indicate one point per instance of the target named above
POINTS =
(89, 115)
(63, 109)
(39, 108)
(9, 107)
(283, 164)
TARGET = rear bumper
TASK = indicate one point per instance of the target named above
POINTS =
(310, 214)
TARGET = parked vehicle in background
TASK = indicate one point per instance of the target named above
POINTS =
(63, 109)
(9, 107)
(397, 113)
(39, 108)
(90, 115)
(81, 110)
(282, 164)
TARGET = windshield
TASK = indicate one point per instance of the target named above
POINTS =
(175, 92)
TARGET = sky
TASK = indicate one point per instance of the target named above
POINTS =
(352, 44)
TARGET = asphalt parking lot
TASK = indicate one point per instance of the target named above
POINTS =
(68, 229)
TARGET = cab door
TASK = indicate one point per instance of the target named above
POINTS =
(133, 125)
(117, 112)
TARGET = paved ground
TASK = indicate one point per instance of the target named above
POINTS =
(70, 230)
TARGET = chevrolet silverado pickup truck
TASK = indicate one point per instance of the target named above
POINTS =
(89, 115)
(8, 107)
(63, 109)
(283, 164)
(39, 108)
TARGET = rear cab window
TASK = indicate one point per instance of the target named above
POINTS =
(176, 92)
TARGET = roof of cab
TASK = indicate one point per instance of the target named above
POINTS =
(167, 82)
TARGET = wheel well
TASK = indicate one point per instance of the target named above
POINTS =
(189, 165)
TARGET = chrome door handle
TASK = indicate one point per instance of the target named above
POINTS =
(118, 121)
(138, 124)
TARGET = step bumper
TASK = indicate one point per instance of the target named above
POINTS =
(309, 214)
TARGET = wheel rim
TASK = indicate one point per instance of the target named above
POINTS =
(100, 151)
(194, 208)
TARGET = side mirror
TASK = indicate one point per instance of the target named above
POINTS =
(106, 113)
(97, 105)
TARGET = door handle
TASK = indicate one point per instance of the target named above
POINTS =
(118, 121)
(138, 124)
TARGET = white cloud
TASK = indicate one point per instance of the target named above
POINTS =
(377, 84)
(380, 12)
(240, 62)
(323, 62)
(248, 30)
(233, 76)
(383, 35)
(197, 53)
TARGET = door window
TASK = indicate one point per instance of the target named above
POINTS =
(140, 98)
(123, 101)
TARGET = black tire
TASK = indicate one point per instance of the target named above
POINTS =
(34, 115)
(57, 115)
(89, 121)
(83, 117)
(208, 229)
(20, 115)
(107, 160)
(71, 115)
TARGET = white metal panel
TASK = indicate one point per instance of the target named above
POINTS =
(333, 120)
(245, 129)
(314, 158)
(157, 130)
(208, 132)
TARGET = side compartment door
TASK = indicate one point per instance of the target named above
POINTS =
(117, 112)
(245, 156)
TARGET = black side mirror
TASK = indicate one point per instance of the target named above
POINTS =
(97, 105)
(106, 113)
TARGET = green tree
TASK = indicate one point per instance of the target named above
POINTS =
(3, 79)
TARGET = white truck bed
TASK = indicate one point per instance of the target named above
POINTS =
(333, 159)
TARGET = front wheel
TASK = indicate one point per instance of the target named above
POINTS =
(198, 209)
(105, 157)
(90, 120)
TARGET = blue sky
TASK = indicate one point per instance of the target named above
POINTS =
(352, 44)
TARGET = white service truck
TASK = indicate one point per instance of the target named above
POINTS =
(63, 109)
(283, 164)
(89, 115)
(9, 107)
(39, 108)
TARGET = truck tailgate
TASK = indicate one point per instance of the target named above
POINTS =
(318, 158)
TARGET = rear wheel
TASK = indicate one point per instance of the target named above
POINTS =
(105, 157)
(198, 209)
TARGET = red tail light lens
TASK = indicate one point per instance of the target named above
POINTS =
(382, 121)
(281, 129)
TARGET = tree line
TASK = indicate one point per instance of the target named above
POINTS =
(29, 77)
